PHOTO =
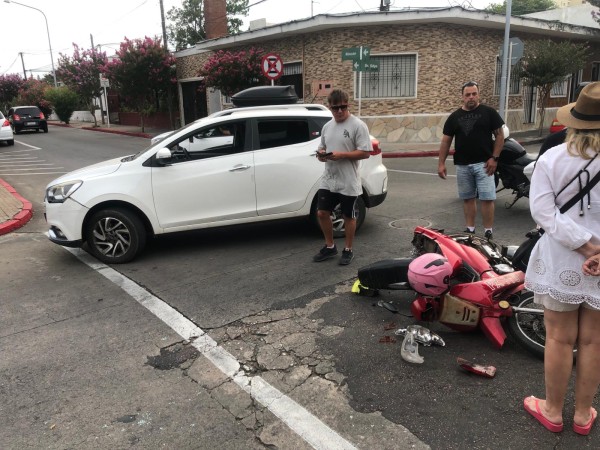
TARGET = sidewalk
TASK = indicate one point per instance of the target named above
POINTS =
(15, 211)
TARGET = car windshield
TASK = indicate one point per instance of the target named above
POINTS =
(141, 152)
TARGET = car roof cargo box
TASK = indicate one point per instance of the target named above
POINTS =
(265, 95)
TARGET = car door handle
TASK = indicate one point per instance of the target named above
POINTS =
(239, 168)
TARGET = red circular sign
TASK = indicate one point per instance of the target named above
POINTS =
(272, 66)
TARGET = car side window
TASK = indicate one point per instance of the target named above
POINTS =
(281, 132)
(210, 142)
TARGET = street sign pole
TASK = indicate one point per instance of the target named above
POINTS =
(360, 84)
(510, 50)
(502, 98)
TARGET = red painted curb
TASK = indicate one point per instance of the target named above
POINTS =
(126, 133)
(19, 219)
(105, 130)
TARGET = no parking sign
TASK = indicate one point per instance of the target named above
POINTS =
(272, 66)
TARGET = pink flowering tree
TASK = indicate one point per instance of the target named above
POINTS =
(9, 89)
(81, 74)
(231, 72)
(33, 92)
(143, 73)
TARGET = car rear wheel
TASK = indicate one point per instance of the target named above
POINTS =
(115, 235)
(11, 142)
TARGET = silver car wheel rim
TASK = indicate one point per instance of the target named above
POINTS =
(112, 237)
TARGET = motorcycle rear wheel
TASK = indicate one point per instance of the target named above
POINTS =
(528, 328)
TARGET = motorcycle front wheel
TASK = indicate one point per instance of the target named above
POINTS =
(527, 327)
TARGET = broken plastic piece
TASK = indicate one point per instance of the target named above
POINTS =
(422, 335)
(387, 306)
(484, 371)
(410, 349)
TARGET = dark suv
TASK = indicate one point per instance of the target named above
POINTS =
(27, 118)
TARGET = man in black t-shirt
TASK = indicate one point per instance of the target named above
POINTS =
(476, 155)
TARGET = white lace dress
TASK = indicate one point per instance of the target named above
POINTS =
(554, 266)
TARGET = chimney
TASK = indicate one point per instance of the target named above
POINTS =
(215, 18)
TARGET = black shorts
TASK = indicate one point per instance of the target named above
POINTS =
(327, 201)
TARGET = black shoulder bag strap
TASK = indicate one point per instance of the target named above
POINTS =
(588, 187)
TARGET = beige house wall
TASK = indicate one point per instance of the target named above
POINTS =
(447, 56)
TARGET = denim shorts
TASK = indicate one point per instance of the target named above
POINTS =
(474, 182)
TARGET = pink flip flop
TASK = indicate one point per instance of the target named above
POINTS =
(537, 414)
(585, 429)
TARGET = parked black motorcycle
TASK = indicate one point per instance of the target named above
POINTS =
(512, 161)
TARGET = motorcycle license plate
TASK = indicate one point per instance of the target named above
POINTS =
(30, 123)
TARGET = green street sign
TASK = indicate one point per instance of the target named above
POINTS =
(355, 53)
(365, 66)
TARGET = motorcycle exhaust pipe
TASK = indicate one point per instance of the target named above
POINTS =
(528, 310)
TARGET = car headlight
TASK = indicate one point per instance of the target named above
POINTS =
(60, 192)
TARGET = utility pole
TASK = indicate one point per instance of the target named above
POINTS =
(23, 64)
(100, 97)
(169, 93)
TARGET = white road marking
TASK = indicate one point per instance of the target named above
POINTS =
(307, 426)
(27, 145)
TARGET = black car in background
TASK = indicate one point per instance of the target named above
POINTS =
(27, 118)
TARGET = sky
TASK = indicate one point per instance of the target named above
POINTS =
(108, 22)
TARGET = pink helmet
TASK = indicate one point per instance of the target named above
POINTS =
(429, 274)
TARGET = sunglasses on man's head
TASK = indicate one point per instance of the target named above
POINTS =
(339, 107)
(469, 84)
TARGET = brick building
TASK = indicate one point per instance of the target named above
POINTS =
(424, 56)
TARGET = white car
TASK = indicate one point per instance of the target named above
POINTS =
(236, 166)
(6, 132)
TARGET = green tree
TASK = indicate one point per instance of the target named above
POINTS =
(187, 23)
(546, 62)
(81, 73)
(231, 72)
(9, 89)
(520, 7)
(33, 92)
(64, 101)
(142, 73)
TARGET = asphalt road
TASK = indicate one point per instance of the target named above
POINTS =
(83, 364)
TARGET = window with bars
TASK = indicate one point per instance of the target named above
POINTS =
(514, 85)
(560, 88)
(396, 78)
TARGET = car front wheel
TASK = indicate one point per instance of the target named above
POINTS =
(339, 231)
(115, 235)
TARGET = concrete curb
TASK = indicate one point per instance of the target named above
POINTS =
(19, 219)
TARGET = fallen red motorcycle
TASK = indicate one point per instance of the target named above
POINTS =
(482, 291)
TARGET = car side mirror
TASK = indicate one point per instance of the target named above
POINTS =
(163, 156)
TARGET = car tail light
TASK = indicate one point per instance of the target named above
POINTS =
(6, 123)
(42, 115)
(376, 147)
(16, 117)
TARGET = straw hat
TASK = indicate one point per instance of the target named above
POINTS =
(584, 114)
